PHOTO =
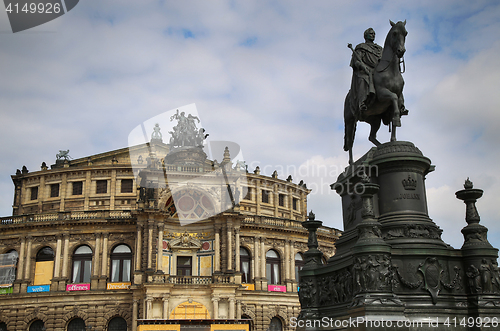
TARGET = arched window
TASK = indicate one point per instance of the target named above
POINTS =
(117, 324)
(44, 266)
(37, 325)
(245, 265)
(82, 264)
(8, 268)
(121, 260)
(272, 267)
(299, 263)
(76, 325)
(275, 324)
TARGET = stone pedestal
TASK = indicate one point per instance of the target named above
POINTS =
(391, 262)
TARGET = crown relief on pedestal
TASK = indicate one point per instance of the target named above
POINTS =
(409, 183)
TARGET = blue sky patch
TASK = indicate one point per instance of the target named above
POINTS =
(249, 42)
(187, 33)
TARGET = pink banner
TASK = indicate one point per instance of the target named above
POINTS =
(276, 288)
(77, 287)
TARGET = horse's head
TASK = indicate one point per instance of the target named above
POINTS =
(396, 38)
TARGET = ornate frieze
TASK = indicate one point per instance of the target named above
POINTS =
(373, 273)
(485, 279)
(414, 231)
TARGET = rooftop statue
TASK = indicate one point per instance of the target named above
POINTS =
(63, 155)
(156, 135)
(185, 133)
(376, 92)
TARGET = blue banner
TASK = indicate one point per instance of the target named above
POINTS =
(38, 288)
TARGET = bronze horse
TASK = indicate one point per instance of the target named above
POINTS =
(388, 106)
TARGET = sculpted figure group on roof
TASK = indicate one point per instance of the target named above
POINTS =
(185, 133)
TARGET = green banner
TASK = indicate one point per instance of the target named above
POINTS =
(6, 290)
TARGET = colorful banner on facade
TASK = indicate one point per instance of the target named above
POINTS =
(6, 290)
(38, 288)
(276, 288)
(77, 287)
(249, 287)
(119, 286)
(43, 273)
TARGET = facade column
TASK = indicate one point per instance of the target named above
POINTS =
(165, 306)
(258, 196)
(275, 200)
(27, 271)
(104, 263)
(150, 244)
(303, 206)
(289, 273)
(215, 302)
(65, 255)
(231, 308)
(20, 263)
(63, 191)
(159, 255)
(256, 254)
(41, 194)
(112, 190)
(229, 248)
(57, 263)
(237, 249)
(149, 307)
(135, 310)
(292, 266)
(94, 280)
(88, 183)
(238, 309)
(97, 254)
(138, 247)
(287, 259)
(20, 266)
(262, 257)
(217, 251)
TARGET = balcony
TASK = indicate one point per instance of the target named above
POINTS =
(66, 216)
(191, 280)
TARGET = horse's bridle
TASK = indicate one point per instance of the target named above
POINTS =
(401, 61)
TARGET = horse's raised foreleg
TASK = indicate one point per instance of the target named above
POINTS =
(375, 125)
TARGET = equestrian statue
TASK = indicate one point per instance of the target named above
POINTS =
(376, 93)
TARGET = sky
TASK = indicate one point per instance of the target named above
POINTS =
(269, 75)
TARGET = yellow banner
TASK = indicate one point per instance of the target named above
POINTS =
(119, 286)
(229, 327)
(249, 287)
(43, 273)
(166, 327)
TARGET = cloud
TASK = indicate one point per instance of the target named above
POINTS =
(271, 77)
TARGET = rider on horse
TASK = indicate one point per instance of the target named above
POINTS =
(364, 60)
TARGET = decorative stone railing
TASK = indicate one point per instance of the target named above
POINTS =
(279, 222)
(191, 280)
(66, 216)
